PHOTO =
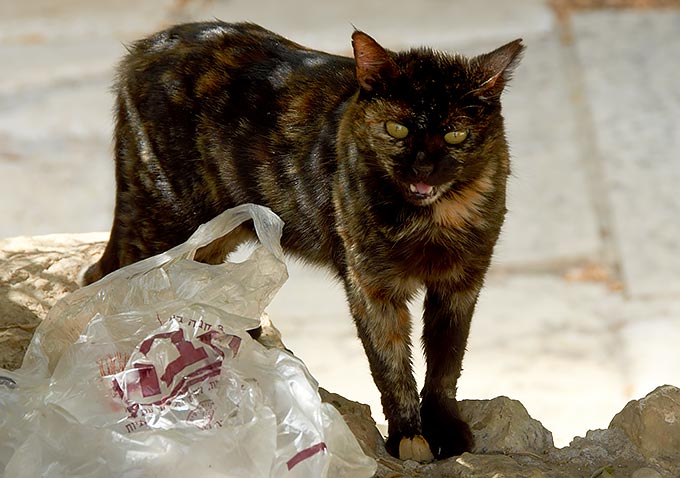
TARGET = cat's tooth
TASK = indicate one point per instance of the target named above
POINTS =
(413, 188)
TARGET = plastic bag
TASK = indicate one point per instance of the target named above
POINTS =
(151, 371)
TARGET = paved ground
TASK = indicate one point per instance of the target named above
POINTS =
(582, 310)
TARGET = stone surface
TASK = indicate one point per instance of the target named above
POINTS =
(34, 274)
(653, 424)
(570, 348)
(502, 425)
(328, 26)
(63, 161)
(598, 449)
(358, 418)
(631, 87)
(600, 453)
(551, 219)
(646, 473)
(85, 114)
(49, 66)
(40, 21)
(650, 334)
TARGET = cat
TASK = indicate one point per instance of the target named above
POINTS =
(388, 167)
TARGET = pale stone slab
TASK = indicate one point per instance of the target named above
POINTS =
(27, 67)
(55, 186)
(328, 26)
(56, 166)
(81, 111)
(649, 335)
(630, 65)
(547, 342)
(551, 219)
(35, 21)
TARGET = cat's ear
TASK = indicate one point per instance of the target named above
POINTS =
(374, 63)
(496, 69)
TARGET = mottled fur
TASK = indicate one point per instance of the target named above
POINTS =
(212, 115)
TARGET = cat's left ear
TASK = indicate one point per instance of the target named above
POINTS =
(374, 63)
(497, 68)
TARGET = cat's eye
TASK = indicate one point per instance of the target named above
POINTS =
(396, 130)
(455, 137)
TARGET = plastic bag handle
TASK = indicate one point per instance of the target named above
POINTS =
(268, 227)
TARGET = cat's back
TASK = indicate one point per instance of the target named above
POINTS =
(212, 115)
(195, 60)
(209, 44)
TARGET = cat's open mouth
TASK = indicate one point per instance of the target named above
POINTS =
(421, 193)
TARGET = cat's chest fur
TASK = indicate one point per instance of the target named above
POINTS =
(429, 244)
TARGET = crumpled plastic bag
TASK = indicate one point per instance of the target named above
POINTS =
(151, 372)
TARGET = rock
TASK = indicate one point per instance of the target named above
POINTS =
(646, 473)
(35, 272)
(643, 440)
(483, 466)
(502, 425)
(653, 424)
(599, 449)
(358, 418)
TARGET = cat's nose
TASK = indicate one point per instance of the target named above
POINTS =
(422, 170)
(421, 167)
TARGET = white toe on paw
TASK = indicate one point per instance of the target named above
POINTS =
(416, 449)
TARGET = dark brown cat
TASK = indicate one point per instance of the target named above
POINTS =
(388, 167)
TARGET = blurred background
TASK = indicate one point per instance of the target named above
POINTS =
(581, 311)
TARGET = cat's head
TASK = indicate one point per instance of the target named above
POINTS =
(426, 120)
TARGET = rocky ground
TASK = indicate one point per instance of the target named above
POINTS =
(641, 441)
(582, 310)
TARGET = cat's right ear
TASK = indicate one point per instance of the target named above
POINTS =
(374, 63)
(497, 68)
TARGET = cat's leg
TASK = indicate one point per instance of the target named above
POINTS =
(383, 323)
(219, 249)
(99, 269)
(448, 311)
(110, 260)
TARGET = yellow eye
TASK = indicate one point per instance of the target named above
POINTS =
(455, 137)
(396, 130)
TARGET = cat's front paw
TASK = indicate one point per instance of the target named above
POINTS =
(452, 439)
(444, 429)
(415, 448)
